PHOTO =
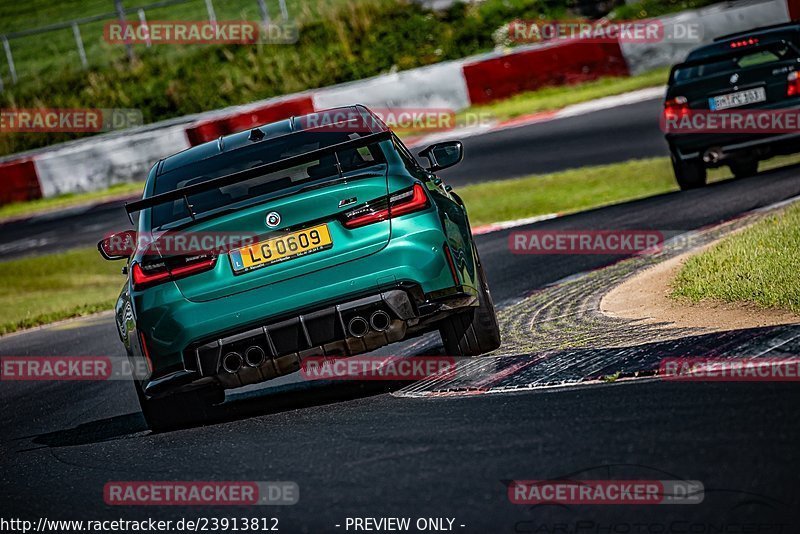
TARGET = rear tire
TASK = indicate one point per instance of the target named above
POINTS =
(475, 331)
(690, 174)
(744, 168)
(180, 409)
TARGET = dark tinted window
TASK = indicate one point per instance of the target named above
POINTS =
(741, 60)
(261, 187)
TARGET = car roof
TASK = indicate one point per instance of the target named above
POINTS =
(229, 144)
(721, 46)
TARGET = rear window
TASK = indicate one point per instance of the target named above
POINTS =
(263, 187)
(741, 60)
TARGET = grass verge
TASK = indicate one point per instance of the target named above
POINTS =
(757, 266)
(565, 191)
(48, 288)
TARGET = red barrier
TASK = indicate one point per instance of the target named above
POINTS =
(563, 63)
(794, 9)
(19, 181)
(209, 130)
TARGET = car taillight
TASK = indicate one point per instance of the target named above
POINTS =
(402, 203)
(752, 41)
(793, 87)
(675, 108)
(147, 273)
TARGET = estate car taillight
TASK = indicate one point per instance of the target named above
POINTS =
(675, 108)
(402, 203)
(793, 87)
(752, 41)
(149, 273)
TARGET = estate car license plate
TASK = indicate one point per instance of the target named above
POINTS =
(283, 248)
(740, 98)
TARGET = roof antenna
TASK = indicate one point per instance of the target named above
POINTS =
(189, 207)
(256, 135)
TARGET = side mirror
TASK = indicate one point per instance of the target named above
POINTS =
(118, 246)
(443, 155)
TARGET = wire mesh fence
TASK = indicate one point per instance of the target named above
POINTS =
(79, 42)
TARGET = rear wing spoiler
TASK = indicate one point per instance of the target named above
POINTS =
(185, 192)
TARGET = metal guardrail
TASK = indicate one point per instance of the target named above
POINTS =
(119, 14)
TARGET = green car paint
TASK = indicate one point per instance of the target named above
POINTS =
(418, 264)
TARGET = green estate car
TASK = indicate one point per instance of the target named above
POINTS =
(742, 93)
(313, 236)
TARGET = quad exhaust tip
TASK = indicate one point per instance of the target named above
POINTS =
(254, 356)
(358, 326)
(380, 321)
(232, 362)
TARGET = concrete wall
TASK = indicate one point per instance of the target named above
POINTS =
(104, 162)
(437, 86)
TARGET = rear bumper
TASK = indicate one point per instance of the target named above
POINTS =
(693, 146)
(278, 348)
(173, 325)
(733, 145)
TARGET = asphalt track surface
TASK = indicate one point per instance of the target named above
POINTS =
(355, 450)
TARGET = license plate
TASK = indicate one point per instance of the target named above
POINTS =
(280, 249)
(740, 98)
